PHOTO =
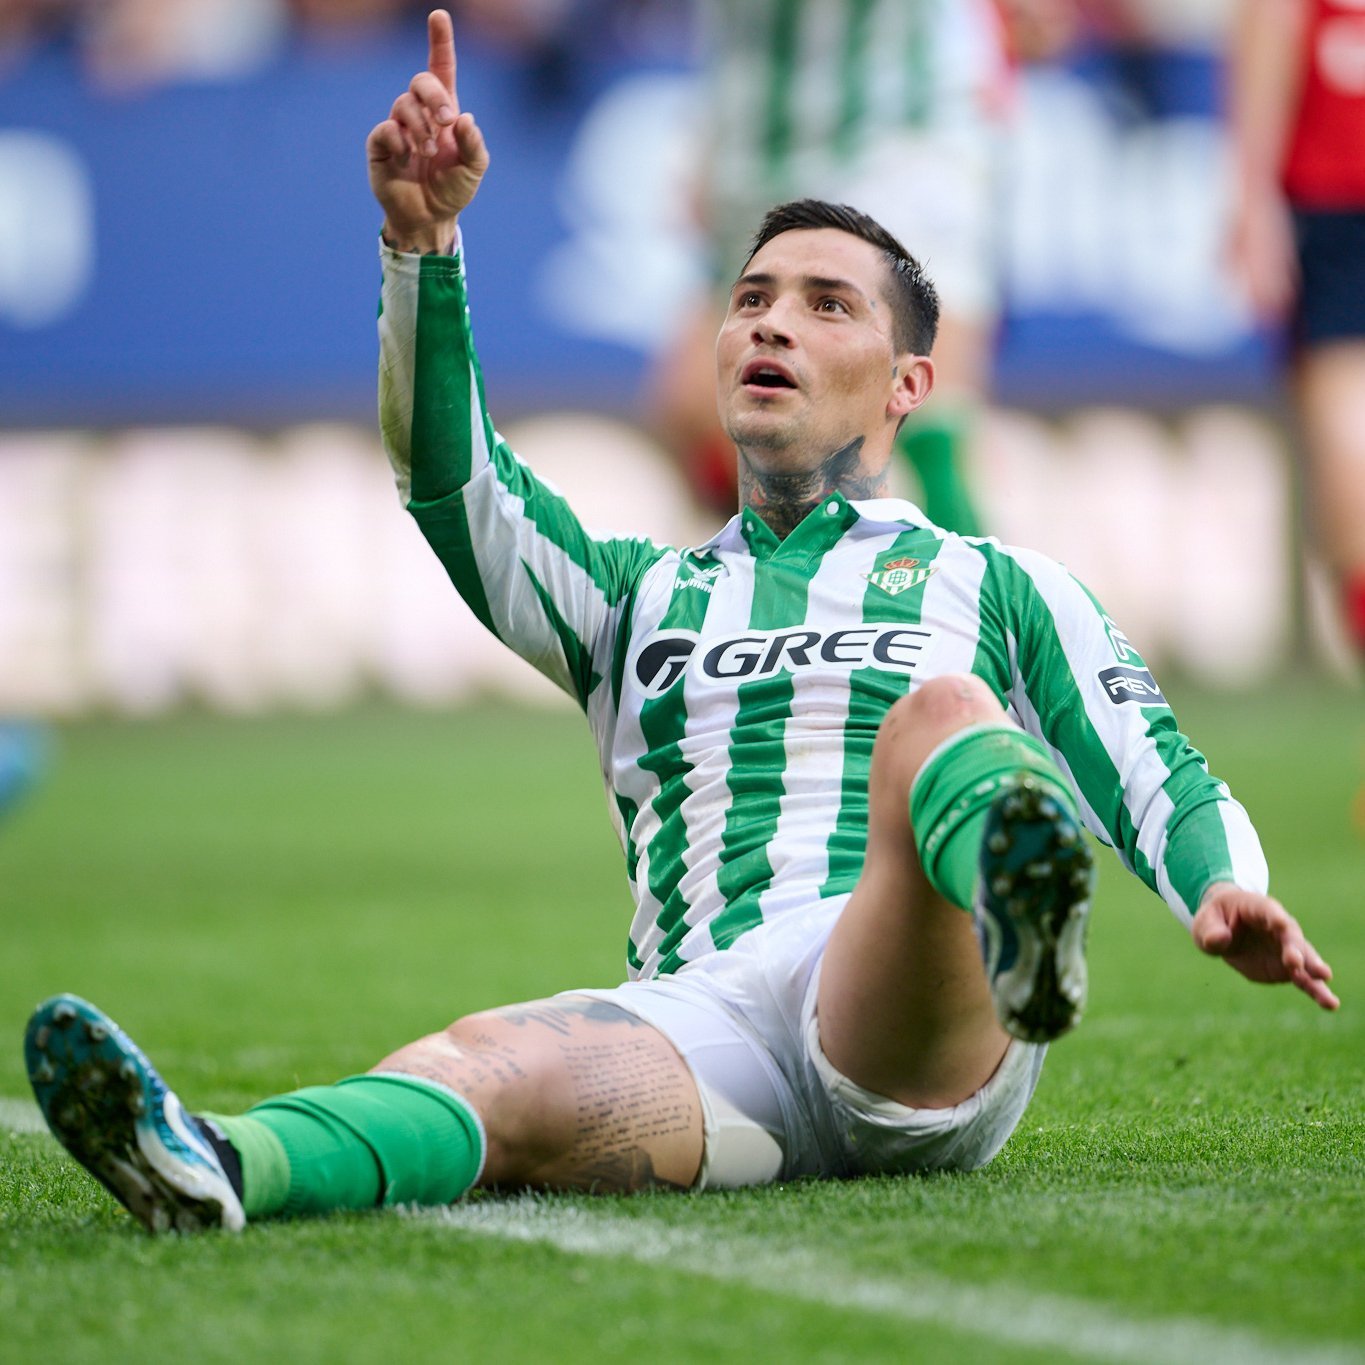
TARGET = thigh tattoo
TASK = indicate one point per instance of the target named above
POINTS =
(599, 1098)
(633, 1097)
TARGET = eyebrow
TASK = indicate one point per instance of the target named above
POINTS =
(832, 282)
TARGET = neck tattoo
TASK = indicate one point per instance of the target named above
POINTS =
(784, 499)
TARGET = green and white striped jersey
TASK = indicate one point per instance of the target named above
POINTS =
(735, 689)
(798, 88)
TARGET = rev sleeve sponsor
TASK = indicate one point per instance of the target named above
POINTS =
(663, 658)
(1131, 684)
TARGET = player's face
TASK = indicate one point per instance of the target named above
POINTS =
(805, 360)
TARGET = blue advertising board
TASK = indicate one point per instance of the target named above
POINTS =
(206, 251)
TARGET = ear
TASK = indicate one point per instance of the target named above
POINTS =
(911, 384)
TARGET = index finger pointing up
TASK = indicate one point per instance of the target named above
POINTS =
(441, 58)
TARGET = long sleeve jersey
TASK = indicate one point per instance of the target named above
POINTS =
(734, 689)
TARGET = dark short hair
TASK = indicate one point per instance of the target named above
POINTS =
(913, 298)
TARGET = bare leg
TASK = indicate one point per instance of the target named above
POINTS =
(904, 1006)
(574, 1093)
(1331, 397)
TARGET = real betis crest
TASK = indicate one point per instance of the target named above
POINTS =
(896, 575)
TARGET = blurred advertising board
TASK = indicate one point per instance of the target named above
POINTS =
(206, 252)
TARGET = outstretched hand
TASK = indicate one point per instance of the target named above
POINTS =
(1262, 940)
(427, 158)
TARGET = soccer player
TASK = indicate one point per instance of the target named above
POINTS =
(850, 756)
(1298, 238)
(23, 756)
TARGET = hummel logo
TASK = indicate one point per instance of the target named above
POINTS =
(702, 579)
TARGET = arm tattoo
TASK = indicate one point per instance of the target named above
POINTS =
(409, 250)
(784, 499)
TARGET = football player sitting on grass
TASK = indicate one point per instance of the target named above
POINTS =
(850, 755)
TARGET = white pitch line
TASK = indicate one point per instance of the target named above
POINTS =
(21, 1116)
(1002, 1313)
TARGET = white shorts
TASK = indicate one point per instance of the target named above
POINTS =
(774, 1107)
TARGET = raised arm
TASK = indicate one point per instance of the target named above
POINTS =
(427, 158)
(512, 546)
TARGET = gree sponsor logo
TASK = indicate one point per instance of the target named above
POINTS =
(663, 658)
(1131, 684)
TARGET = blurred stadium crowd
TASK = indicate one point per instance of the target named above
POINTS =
(154, 556)
(128, 43)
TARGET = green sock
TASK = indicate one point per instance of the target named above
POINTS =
(953, 791)
(935, 450)
(265, 1166)
(368, 1140)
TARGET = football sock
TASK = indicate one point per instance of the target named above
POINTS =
(226, 1153)
(258, 1154)
(953, 791)
(368, 1140)
(1353, 595)
(935, 451)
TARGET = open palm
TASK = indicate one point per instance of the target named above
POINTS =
(1259, 938)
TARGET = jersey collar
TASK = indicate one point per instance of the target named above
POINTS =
(824, 524)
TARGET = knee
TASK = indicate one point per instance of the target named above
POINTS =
(918, 723)
(521, 1090)
(950, 702)
(518, 1090)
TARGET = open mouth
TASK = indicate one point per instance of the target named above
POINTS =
(761, 374)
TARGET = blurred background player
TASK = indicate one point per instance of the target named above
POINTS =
(1297, 78)
(24, 746)
(892, 106)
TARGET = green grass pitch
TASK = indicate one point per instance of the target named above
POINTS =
(275, 902)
